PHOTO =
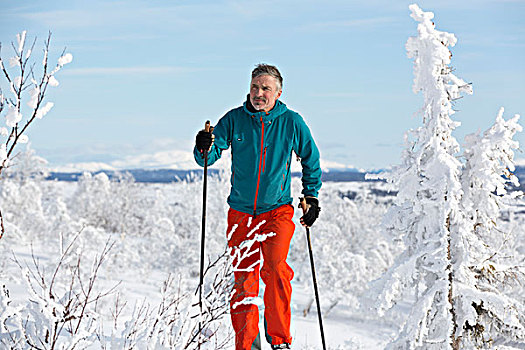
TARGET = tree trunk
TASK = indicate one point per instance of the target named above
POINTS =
(454, 341)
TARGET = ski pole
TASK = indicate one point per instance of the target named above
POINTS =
(303, 205)
(207, 128)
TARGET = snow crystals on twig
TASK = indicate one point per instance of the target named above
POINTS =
(63, 60)
(41, 112)
(24, 79)
(21, 38)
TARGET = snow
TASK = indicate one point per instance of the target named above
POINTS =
(21, 38)
(82, 166)
(519, 162)
(53, 81)
(42, 111)
(177, 159)
(156, 230)
(447, 214)
(3, 152)
(14, 61)
(144, 254)
(13, 116)
(23, 139)
(114, 264)
(63, 60)
(33, 97)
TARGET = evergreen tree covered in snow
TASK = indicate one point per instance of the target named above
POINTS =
(429, 196)
(486, 314)
(446, 213)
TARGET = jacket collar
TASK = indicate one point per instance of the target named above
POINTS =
(276, 111)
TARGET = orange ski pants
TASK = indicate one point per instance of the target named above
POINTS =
(275, 273)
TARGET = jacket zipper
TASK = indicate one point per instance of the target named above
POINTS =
(260, 164)
(264, 159)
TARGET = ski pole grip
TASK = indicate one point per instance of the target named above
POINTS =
(208, 127)
(303, 204)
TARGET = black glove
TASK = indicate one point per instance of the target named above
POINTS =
(312, 211)
(204, 140)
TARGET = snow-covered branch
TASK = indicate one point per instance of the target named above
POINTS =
(21, 79)
(62, 308)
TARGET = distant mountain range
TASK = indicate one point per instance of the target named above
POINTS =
(175, 175)
(176, 164)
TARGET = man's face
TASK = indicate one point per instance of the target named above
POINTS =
(264, 91)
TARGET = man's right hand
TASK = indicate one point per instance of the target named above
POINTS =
(205, 138)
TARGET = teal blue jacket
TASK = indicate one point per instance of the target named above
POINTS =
(262, 144)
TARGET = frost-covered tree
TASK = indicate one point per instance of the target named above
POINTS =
(22, 193)
(429, 197)
(487, 314)
(446, 213)
(25, 103)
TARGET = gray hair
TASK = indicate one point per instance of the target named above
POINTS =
(266, 69)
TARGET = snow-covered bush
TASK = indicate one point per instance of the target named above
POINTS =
(117, 206)
(485, 275)
(61, 312)
(349, 249)
(22, 195)
(176, 321)
(67, 308)
(25, 85)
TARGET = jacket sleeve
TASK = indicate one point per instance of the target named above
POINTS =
(306, 149)
(222, 132)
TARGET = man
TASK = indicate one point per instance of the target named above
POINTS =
(263, 134)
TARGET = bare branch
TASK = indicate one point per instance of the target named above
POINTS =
(2, 227)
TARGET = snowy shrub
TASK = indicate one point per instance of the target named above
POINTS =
(487, 314)
(66, 308)
(179, 321)
(62, 308)
(349, 249)
(175, 322)
(117, 205)
(22, 195)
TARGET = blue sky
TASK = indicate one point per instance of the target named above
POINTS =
(147, 74)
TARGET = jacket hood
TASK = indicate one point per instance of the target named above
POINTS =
(277, 110)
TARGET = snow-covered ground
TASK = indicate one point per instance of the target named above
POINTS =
(155, 229)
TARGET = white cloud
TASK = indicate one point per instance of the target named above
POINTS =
(65, 18)
(337, 94)
(174, 159)
(128, 70)
(83, 166)
(354, 23)
(330, 165)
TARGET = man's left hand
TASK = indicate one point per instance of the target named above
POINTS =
(311, 212)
